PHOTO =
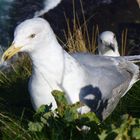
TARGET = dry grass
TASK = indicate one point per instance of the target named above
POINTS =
(124, 42)
(78, 38)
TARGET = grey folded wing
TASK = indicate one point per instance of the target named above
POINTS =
(110, 80)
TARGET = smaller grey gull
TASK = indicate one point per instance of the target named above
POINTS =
(107, 44)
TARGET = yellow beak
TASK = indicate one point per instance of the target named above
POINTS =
(12, 50)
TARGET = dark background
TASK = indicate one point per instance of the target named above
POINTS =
(116, 16)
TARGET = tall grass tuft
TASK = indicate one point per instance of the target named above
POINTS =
(78, 38)
(124, 42)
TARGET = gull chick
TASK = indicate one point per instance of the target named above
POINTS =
(99, 85)
(107, 44)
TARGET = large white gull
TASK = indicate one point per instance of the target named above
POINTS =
(99, 86)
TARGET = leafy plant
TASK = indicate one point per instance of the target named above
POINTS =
(66, 123)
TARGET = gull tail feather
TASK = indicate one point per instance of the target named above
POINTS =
(48, 5)
(134, 58)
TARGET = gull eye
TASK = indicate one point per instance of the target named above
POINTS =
(32, 35)
(101, 40)
(114, 37)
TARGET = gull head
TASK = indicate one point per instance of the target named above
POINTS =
(107, 44)
(28, 37)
